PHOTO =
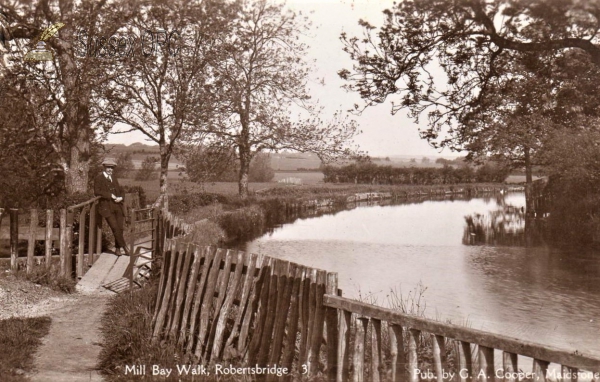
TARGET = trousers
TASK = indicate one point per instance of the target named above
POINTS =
(115, 222)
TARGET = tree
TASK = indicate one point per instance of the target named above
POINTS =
(68, 79)
(28, 164)
(473, 42)
(148, 169)
(262, 75)
(167, 90)
(260, 168)
(209, 163)
(506, 81)
(124, 165)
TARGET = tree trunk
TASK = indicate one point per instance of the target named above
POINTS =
(78, 131)
(165, 156)
(77, 174)
(244, 170)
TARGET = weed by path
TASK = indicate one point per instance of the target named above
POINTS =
(19, 339)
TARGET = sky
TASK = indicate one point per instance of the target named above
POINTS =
(383, 134)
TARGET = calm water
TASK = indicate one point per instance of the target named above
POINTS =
(537, 294)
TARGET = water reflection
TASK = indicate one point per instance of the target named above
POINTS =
(504, 226)
(508, 225)
(539, 294)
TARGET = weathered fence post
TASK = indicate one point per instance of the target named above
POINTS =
(63, 241)
(359, 349)
(344, 346)
(67, 272)
(397, 352)
(81, 242)
(48, 242)
(31, 240)
(99, 236)
(332, 328)
(465, 361)
(376, 351)
(539, 368)
(91, 234)
(131, 244)
(413, 361)
(486, 364)
(14, 238)
(439, 355)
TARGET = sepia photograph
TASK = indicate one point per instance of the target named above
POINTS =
(300, 190)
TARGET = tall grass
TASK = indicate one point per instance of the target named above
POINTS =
(127, 340)
(50, 277)
(19, 339)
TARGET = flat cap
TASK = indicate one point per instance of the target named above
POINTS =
(109, 163)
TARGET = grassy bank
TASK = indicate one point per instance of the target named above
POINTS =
(245, 219)
(19, 339)
(127, 340)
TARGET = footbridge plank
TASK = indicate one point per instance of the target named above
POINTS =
(96, 275)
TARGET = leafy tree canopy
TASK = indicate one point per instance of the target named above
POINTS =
(260, 80)
(504, 64)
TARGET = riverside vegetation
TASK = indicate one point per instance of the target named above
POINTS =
(220, 219)
(244, 219)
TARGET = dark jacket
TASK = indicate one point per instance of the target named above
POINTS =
(105, 189)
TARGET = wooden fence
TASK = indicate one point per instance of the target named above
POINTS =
(229, 305)
(252, 310)
(361, 323)
(79, 222)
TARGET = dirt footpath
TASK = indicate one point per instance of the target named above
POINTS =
(70, 351)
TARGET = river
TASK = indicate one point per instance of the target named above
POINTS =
(540, 294)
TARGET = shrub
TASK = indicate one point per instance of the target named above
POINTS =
(260, 168)
(50, 277)
(213, 163)
(137, 190)
(206, 232)
(148, 169)
(125, 165)
(370, 173)
(182, 203)
(242, 223)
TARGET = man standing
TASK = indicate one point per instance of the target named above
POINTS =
(110, 205)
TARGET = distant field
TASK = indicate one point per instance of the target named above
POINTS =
(177, 185)
(307, 177)
(280, 162)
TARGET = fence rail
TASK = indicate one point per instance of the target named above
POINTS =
(80, 221)
(406, 328)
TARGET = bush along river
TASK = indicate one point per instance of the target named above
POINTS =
(467, 256)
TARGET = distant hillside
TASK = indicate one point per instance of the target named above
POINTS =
(282, 162)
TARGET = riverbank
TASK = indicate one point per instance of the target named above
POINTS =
(231, 220)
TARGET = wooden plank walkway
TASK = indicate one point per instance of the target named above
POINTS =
(107, 265)
(106, 270)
